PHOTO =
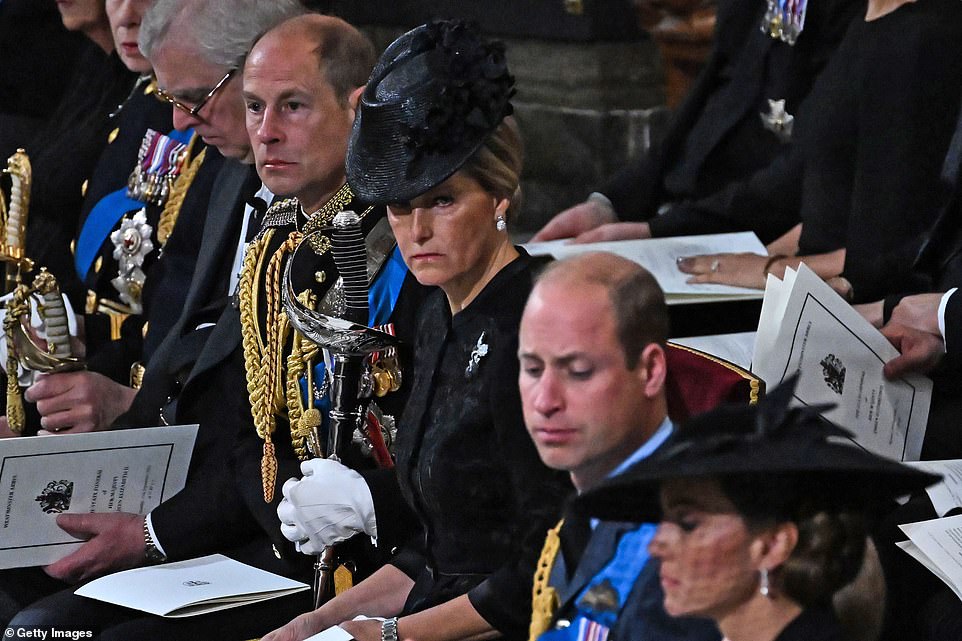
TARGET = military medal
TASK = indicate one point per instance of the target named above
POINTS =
(131, 245)
(778, 121)
(159, 162)
(785, 19)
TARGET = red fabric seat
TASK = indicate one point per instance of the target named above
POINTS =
(698, 382)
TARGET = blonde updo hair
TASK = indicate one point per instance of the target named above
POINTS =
(496, 165)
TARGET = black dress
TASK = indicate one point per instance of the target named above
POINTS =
(465, 462)
(814, 623)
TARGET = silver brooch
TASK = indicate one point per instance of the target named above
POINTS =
(778, 121)
(474, 360)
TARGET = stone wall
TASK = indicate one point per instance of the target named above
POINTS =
(585, 108)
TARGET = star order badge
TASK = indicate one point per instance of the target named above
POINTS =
(778, 121)
(131, 243)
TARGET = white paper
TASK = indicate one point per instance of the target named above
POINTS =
(839, 357)
(735, 348)
(937, 544)
(337, 633)
(947, 493)
(658, 255)
(192, 587)
(113, 471)
(772, 312)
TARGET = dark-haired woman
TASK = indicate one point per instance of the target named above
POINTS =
(764, 517)
(433, 139)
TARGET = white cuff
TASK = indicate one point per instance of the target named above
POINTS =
(153, 535)
(942, 304)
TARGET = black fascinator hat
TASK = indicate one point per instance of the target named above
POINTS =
(433, 98)
(768, 440)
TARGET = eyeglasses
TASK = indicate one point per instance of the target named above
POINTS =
(193, 111)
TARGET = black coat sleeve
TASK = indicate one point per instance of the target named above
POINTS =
(504, 598)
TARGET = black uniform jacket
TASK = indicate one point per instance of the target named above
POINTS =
(197, 375)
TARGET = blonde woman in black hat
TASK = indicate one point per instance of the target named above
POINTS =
(764, 517)
(434, 141)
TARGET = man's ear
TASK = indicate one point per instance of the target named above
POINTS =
(355, 98)
(652, 365)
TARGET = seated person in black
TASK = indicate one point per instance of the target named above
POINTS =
(433, 139)
(729, 142)
(872, 137)
(764, 512)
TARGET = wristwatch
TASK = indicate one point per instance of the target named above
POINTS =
(389, 629)
(152, 553)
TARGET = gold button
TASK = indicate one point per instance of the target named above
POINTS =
(98, 264)
(112, 136)
(277, 552)
(83, 189)
(320, 276)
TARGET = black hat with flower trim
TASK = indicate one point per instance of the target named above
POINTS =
(769, 440)
(434, 97)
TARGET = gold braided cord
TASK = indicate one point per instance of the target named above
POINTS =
(251, 343)
(277, 324)
(272, 379)
(178, 191)
(268, 470)
(325, 215)
(303, 417)
(295, 408)
(544, 598)
(16, 307)
(263, 360)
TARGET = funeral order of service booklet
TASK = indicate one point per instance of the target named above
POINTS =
(806, 327)
(192, 587)
(113, 471)
(660, 255)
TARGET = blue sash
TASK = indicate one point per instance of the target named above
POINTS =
(618, 577)
(382, 297)
(385, 289)
(100, 222)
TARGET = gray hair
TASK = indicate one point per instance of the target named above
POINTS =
(222, 31)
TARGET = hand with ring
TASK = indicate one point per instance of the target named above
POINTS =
(741, 269)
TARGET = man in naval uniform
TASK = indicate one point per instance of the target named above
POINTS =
(197, 374)
(592, 380)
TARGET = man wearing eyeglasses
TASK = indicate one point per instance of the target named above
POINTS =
(196, 48)
(199, 76)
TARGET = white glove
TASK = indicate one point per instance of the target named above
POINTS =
(330, 504)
